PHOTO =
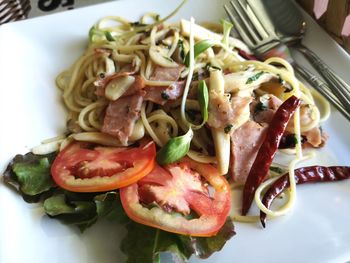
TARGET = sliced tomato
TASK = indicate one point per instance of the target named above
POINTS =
(188, 198)
(81, 167)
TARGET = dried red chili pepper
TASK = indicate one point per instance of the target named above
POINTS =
(246, 55)
(268, 150)
(303, 175)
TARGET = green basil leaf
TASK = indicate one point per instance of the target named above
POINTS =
(199, 48)
(175, 148)
(226, 29)
(254, 77)
(203, 99)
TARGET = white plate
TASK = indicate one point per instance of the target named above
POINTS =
(33, 52)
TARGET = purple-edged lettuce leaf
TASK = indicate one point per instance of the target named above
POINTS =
(83, 210)
(204, 247)
(30, 175)
(145, 244)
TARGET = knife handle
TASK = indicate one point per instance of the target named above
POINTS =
(322, 88)
(340, 88)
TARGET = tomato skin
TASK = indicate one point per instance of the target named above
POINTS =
(212, 212)
(98, 165)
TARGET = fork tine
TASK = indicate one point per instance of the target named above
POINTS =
(238, 27)
(237, 6)
(252, 17)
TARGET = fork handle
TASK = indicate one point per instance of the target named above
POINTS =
(340, 88)
(322, 88)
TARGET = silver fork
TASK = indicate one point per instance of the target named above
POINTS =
(258, 33)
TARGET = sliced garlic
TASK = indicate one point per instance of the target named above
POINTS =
(110, 67)
(117, 87)
(159, 55)
(138, 131)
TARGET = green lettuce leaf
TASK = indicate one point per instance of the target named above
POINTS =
(144, 244)
(80, 213)
(83, 210)
(30, 175)
(204, 247)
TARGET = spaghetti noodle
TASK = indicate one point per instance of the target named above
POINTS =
(154, 54)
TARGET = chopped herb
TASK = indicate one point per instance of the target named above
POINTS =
(228, 128)
(295, 140)
(180, 45)
(109, 36)
(260, 107)
(137, 24)
(164, 95)
(208, 66)
(287, 88)
(254, 78)
(280, 80)
(290, 140)
(276, 169)
(195, 76)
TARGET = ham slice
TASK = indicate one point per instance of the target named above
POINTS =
(166, 74)
(314, 137)
(235, 81)
(121, 116)
(224, 112)
(245, 143)
(161, 94)
(266, 115)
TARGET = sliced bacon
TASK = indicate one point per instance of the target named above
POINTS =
(245, 143)
(223, 112)
(121, 116)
